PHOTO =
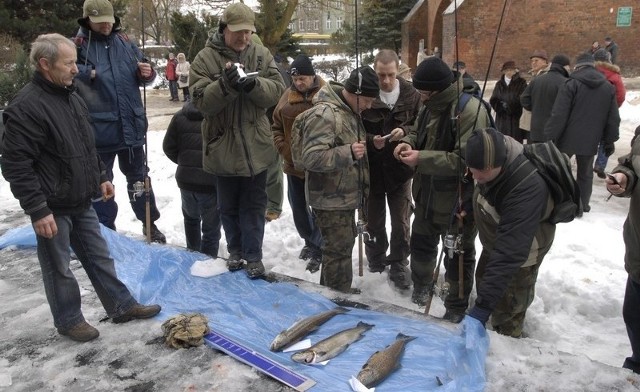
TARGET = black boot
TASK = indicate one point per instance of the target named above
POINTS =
(156, 235)
(400, 275)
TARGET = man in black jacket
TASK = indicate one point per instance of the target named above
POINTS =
(52, 166)
(513, 228)
(584, 114)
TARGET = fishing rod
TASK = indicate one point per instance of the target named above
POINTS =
(147, 181)
(361, 224)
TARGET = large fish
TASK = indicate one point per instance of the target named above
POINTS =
(302, 328)
(332, 346)
(382, 363)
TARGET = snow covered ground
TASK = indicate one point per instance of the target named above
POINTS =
(576, 336)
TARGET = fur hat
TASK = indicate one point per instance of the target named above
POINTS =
(98, 11)
(363, 81)
(301, 66)
(584, 60)
(486, 149)
(432, 74)
(508, 65)
(561, 59)
(239, 17)
(602, 55)
(540, 54)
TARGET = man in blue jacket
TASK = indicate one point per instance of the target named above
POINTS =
(111, 70)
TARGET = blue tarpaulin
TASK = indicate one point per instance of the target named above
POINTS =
(253, 312)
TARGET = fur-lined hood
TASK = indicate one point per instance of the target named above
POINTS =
(609, 66)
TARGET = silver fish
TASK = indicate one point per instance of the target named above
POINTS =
(382, 363)
(303, 327)
(332, 346)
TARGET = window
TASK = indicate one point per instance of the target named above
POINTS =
(328, 24)
(301, 25)
(339, 22)
(292, 26)
(316, 25)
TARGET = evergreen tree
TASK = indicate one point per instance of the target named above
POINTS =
(190, 33)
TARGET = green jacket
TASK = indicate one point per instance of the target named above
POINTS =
(334, 180)
(440, 161)
(236, 134)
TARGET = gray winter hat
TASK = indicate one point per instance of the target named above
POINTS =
(602, 55)
(584, 60)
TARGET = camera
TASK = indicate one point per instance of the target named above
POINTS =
(243, 75)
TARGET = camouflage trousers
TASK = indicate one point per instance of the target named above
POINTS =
(508, 316)
(338, 229)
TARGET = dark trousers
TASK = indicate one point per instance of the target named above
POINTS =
(303, 218)
(185, 92)
(242, 202)
(173, 89)
(201, 221)
(131, 163)
(584, 177)
(631, 316)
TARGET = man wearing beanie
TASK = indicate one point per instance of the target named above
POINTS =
(295, 100)
(612, 73)
(236, 131)
(584, 114)
(511, 205)
(332, 151)
(390, 179)
(433, 147)
(540, 95)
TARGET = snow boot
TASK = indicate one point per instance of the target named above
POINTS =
(420, 295)
(138, 311)
(234, 262)
(453, 316)
(255, 269)
(82, 332)
(400, 275)
(156, 235)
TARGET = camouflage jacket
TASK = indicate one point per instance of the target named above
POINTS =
(235, 131)
(334, 180)
(440, 163)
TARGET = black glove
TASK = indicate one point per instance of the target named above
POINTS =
(609, 149)
(505, 107)
(248, 83)
(231, 76)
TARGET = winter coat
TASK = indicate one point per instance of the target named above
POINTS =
(334, 180)
(236, 132)
(380, 120)
(514, 230)
(539, 97)
(585, 113)
(183, 145)
(183, 70)
(612, 73)
(50, 159)
(505, 100)
(612, 48)
(113, 96)
(171, 70)
(440, 163)
(290, 105)
(630, 167)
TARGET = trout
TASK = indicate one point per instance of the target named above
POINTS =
(303, 327)
(332, 346)
(382, 363)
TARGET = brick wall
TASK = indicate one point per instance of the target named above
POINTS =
(557, 26)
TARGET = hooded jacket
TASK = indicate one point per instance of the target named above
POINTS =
(113, 96)
(612, 73)
(50, 159)
(584, 113)
(291, 104)
(539, 97)
(235, 131)
(183, 145)
(380, 120)
(334, 180)
(440, 160)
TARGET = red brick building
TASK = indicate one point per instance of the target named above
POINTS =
(568, 26)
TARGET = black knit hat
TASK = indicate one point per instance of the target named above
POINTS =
(584, 59)
(363, 81)
(486, 149)
(602, 55)
(301, 66)
(432, 74)
(561, 59)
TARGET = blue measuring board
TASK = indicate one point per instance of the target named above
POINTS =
(258, 361)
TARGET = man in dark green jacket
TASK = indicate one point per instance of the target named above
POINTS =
(236, 134)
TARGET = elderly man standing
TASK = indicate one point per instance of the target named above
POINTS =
(52, 166)
(296, 99)
(390, 179)
(237, 138)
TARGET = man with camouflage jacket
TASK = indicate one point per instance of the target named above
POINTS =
(333, 156)
(235, 131)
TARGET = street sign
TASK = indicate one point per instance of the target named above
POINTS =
(624, 16)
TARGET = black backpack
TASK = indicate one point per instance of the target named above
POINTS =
(555, 168)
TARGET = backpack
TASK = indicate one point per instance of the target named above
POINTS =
(298, 129)
(466, 97)
(554, 167)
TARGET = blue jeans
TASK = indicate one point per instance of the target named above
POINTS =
(201, 221)
(242, 202)
(173, 89)
(131, 163)
(601, 159)
(81, 232)
(303, 218)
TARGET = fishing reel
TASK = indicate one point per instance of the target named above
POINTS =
(138, 189)
(453, 244)
(361, 229)
(442, 290)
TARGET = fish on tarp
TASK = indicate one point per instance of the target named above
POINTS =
(303, 327)
(382, 363)
(332, 346)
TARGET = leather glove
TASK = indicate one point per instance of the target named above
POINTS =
(231, 76)
(248, 84)
(609, 149)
